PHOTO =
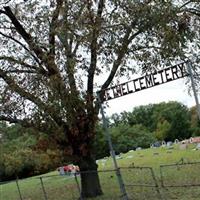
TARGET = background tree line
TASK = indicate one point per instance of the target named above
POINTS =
(149, 123)
(26, 153)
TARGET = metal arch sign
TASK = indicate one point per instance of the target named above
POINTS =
(147, 81)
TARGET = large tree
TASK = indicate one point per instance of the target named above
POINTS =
(53, 51)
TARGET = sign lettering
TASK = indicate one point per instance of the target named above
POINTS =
(144, 82)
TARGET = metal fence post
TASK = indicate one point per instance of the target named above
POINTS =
(43, 189)
(112, 152)
(78, 186)
(194, 88)
(20, 195)
(156, 184)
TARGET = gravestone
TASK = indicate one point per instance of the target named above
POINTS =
(103, 161)
(62, 171)
(118, 157)
(163, 144)
(176, 141)
(198, 146)
(156, 144)
(183, 146)
(129, 157)
(169, 144)
(151, 146)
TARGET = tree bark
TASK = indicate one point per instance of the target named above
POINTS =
(90, 184)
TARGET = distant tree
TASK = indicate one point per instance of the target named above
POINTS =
(122, 118)
(25, 153)
(116, 119)
(162, 130)
(51, 54)
(126, 137)
(141, 115)
(169, 121)
(172, 119)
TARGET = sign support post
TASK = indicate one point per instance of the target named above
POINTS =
(112, 152)
(194, 88)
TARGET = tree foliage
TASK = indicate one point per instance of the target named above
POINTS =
(169, 121)
(162, 130)
(178, 116)
(24, 153)
(127, 138)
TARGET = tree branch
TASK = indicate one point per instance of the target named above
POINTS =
(16, 88)
(29, 40)
(70, 71)
(11, 59)
(24, 122)
(69, 64)
(18, 42)
(121, 52)
(37, 101)
(5, 2)
(100, 8)
(89, 6)
(93, 47)
(20, 62)
(53, 25)
(193, 11)
(186, 3)
(2, 12)
(53, 71)
(20, 71)
(27, 37)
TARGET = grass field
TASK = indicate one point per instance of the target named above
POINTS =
(64, 187)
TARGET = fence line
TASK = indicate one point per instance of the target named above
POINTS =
(151, 184)
(178, 167)
(135, 180)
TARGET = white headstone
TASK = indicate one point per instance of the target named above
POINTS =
(61, 170)
(169, 144)
(118, 157)
(138, 148)
(198, 146)
(129, 157)
(163, 143)
(176, 141)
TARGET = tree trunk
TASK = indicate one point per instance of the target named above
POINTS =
(90, 184)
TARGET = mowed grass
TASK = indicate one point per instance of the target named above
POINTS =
(64, 187)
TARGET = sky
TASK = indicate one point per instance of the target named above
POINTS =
(171, 91)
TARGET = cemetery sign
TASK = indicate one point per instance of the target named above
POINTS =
(147, 81)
